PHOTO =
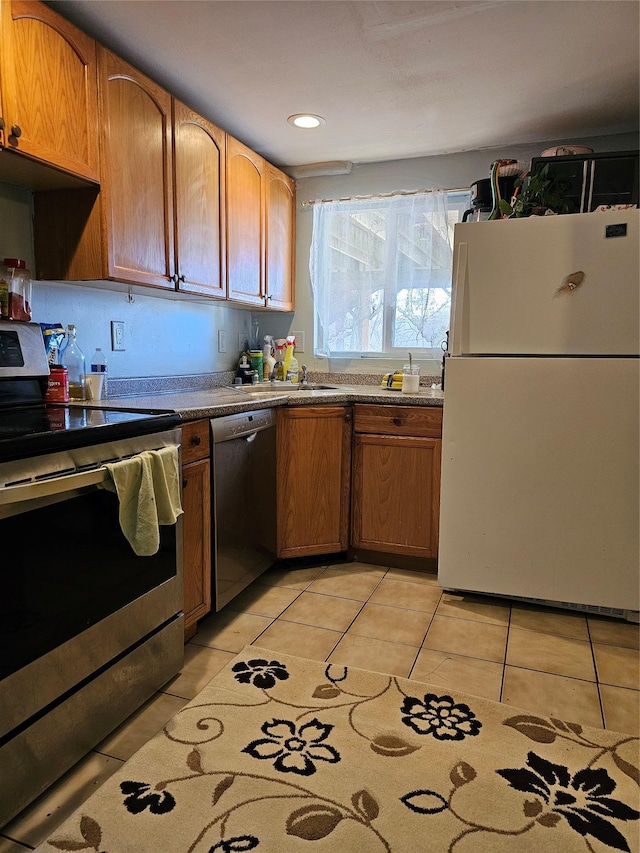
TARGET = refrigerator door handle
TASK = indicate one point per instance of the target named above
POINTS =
(460, 286)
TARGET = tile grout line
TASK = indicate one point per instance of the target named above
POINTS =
(597, 677)
(504, 662)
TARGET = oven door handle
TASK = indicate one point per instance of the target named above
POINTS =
(54, 486)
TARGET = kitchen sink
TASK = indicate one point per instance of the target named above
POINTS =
(316, 386)
(281, 388)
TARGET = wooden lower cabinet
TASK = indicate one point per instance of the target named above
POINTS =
(196, 503)
(313, 480)
(395, 497)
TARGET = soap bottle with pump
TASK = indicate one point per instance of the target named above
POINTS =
(244, 371)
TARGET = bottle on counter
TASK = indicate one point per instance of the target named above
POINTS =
(72, 358)
(15, 290)
(290, 366)
(278, 367)
(268, 360)
(99, 365)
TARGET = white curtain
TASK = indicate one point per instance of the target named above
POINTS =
(381, 272)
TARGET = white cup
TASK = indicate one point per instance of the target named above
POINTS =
(410, 379)
(94, 383)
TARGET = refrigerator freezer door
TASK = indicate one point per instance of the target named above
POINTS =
(540, 479)
(508, 295)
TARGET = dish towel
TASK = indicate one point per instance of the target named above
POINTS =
(148, 489)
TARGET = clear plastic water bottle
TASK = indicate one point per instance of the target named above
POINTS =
(72, 358)
(99, 365)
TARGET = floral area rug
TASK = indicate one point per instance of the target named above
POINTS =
(284, 755)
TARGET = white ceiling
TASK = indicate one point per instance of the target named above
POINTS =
(393, 79)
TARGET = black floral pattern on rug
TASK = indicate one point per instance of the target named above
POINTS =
(235, 845)
(440, 717)
(582, 799)
(138, 799)
(294, 749)
(261, 673)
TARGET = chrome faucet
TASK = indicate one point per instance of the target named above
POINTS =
(303, 375)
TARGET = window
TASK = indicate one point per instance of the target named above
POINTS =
(381, 272)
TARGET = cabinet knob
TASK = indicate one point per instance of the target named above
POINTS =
(266, 299)
(16, 131)
(185, 482)
(174, 278)
(196, 440)
(182, 278)
(2, 124)
(397, 421)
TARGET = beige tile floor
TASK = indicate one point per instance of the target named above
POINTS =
(579, 668)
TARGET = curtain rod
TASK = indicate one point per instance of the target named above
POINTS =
(380, 195)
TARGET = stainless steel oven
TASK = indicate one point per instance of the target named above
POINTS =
(88, 630)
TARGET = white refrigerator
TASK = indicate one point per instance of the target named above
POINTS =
(540, 460)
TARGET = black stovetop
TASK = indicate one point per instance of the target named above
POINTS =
(32, 430)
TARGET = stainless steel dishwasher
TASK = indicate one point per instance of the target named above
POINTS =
(244, 494)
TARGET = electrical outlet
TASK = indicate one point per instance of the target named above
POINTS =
(222, 340)
(299, 336)
(117, 336)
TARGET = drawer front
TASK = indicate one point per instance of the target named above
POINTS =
(399, 420)
(196, 441)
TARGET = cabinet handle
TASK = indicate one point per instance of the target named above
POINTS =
(266, 299)
(397, 421)
(185, 482)
(174, 278)
(16, 131)
(2, 124)
(347, 417)
(196, 440)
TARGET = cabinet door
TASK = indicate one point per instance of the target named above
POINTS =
(137, 174)
(280, 228)
(396, 494)
(196, 503)
(313, 453)
(49, 88)
(199, 160)
(245, 224)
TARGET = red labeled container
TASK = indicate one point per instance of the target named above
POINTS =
(57, 385)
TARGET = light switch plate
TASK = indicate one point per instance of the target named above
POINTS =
(222, 340)
(117, 336)
(299, 336)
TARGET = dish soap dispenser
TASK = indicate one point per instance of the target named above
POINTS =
(244, 369)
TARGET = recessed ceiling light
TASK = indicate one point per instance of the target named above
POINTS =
(306, 120)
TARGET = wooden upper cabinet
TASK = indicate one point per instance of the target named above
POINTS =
(280, 239)
(48, 86)
(245, 224)
(199, 163)
(137, 189)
